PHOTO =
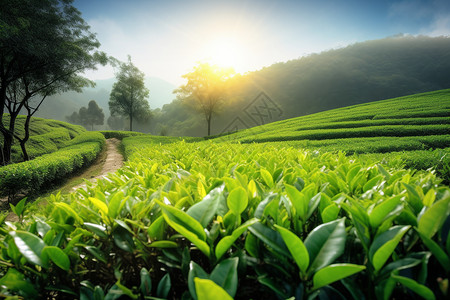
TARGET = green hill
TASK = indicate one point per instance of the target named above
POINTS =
(359, 73)
(415, 122)
(46, 136)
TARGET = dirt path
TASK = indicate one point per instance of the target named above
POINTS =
(113, 161)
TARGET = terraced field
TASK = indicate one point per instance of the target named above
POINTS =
(46, 136)
(421, 122)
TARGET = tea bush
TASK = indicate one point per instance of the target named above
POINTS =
(197, 220)
(31, 176)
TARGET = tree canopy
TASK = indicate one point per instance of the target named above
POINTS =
(129, 95)
(205, 88)
(44, 46)
(88, 116)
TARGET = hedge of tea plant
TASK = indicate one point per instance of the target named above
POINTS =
(34, 175)
(223, 221)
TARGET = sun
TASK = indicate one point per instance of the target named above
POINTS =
(225, 52)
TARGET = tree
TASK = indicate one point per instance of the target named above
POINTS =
(129, 95)
(44, 44)
(92, 115)
(206, 87)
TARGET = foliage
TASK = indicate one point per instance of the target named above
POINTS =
(32, 176)
(241, 221)
(92, 115)
(129, 95)
(30, 69)
(46, 136)
(206, 86)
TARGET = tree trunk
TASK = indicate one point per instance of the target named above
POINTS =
(8, 138)
(208, 120)
(131, 122)
(26, 137)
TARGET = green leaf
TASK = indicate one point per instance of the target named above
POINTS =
(414, 198)
(296, 247)
(114, 204)
(268, 180)
(325, 244)
(226, 242)
(96, 253)
(97, 229)
(429, 198)
(225, 275)
(185, 225)
(126, 291)
(195, 271)
(146, 283)
(69, 210)
(330, 213)
(206, 289)
(19, 208)
(205, 210)
(298, 200)
(379, 213)
(156, 229)
(164, 286)
(15, 281)
(237, 200)
(271, 237)
(372, 182)
(30, 246)
(384, 244)
(332, 273)
(433, 218)
(163, 244)
(437, 251)
(57, 256)
(123, 239)
(414, 286)
(99, 204)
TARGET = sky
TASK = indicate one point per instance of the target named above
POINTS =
(167, 38)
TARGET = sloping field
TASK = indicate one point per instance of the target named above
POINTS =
(46, 136)
(416, 122)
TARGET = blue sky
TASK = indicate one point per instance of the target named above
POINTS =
(166, 38)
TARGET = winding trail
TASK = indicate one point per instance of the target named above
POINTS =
(113, 162)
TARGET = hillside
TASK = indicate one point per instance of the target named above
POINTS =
(46, 136)
(359, 73)
(415, 122)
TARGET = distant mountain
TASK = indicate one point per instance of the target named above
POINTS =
(359, 73)
(59, 106)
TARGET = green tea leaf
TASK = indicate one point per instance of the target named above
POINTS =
(186, 225)
(30, 246)
(15, 281)
(226, 242)
(195, 271)
(114, 204)
(414, 286)
(325, 244)
(156, 229)
(433, 218)
(57, 256)
(437, 251)
(378, 214)
(205, 210)
(296, 248)
(237, 200)
(164, 286)
(267, 177)
(97, 229)
(225, 275)
(330, 213)
(298, 200)
(332, 273)
(271, 237)
(206, 289)
(163, 244)
(384, 244)
(146, 283)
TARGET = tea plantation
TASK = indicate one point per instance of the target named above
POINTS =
(282, 218)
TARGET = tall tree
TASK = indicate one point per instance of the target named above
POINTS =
(129, 95)
(44, 45)
(205, 88)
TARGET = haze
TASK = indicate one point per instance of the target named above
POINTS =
(166, 38)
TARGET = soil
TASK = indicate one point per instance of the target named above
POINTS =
(108, 162)
(113, 162)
